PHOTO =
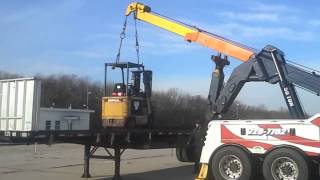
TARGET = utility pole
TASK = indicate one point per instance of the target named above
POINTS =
(88, 94)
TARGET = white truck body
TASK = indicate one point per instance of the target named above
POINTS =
(285, 146)
(261, 136)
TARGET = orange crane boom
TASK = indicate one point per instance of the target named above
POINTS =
(191, 33)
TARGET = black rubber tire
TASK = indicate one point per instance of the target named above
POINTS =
(314, 170)
(196, 167)
(294, 155)
(257, 168)
(235, 151)
(178, 154)
(182, 154)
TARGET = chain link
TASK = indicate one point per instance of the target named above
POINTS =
(137, 38)
(122, 36)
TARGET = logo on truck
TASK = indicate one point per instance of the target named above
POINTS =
(268, 132)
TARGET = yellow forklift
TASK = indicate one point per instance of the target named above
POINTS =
(129, 105)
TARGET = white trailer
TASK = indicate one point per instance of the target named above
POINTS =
(21, 115)
(19, 104)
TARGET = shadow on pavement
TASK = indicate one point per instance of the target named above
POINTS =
(177, 173)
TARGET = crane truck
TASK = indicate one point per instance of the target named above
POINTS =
(288, 149)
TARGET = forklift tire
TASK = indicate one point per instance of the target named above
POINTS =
(285, 163)
(230, 163)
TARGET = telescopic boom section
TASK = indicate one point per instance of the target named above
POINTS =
(190, 33)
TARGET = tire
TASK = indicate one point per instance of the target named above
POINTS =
(257, 168)
(196, 167)
(230, 157)
(285, 163)
(182, 154)
(178, 154)
(314, 170)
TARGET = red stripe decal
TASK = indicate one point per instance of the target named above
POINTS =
(298, 140)
(312, 153)
(316, 121)
(228, 137)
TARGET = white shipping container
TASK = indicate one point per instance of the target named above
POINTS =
(19, 104)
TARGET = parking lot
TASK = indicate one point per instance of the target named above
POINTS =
(65, 161)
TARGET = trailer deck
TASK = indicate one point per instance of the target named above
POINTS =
(118, 139)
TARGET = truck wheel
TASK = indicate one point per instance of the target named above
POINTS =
(182, 154)
(285, 163)
(230, 163)
(179, 154)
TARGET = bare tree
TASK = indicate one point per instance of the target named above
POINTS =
(172, 108)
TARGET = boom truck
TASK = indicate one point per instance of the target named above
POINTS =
(288, 149)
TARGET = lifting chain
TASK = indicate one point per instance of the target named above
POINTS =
(137, 38)
(122, 36)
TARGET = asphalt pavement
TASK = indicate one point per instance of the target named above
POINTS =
(65, 161)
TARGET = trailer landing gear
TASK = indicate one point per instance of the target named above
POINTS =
(89, 154)
(86, 164)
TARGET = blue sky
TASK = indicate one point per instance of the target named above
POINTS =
(78, 36)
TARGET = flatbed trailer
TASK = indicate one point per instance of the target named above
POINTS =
(118, 139)
(21, 122)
